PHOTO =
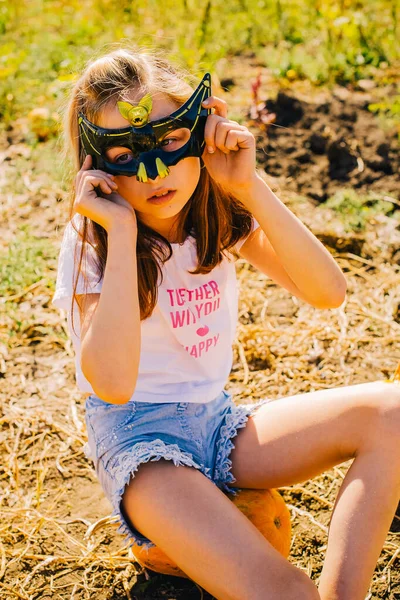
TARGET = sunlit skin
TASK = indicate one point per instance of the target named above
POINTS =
(183, 176)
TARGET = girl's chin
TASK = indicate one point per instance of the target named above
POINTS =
(169, 209)
(159, 213)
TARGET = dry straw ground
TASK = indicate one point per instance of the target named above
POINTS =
(56, 536)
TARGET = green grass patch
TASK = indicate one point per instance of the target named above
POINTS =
(334, 41)
(356, 210)
(27, 260)
(388, 112)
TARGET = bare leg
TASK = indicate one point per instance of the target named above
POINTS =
(361, 518)
(295, 438)
(208, 537)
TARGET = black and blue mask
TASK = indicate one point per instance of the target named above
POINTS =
(148, 154)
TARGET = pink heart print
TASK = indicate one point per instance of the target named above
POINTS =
(203, 330)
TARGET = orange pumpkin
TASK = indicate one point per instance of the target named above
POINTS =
(266, 509)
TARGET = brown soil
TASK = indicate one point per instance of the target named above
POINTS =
(318, 148)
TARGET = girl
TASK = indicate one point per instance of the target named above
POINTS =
(156, 291)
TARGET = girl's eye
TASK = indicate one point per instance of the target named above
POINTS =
(176, 143)
(122, 156)
(169, 140)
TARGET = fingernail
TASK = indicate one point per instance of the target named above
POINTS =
(210, 149)
(206, 101)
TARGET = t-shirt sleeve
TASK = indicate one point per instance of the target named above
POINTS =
(65, 269)
(240, 243)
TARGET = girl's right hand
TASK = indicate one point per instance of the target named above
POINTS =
(107, 212)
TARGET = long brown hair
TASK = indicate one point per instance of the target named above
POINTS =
(215, 218)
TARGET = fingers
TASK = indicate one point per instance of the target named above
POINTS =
(231, 141)
(221, 110)
(87, 163)
(221, 133)
(89, 183)
(87, 166)
(94, 179)
(101, 181)
(86, 171)
(220, 106)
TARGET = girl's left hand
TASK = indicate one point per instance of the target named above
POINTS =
(233, 162)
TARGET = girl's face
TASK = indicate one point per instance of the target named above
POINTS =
(183, 176)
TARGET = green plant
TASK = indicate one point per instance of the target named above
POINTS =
(356, 210)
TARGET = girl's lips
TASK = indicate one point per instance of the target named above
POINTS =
(162, 199)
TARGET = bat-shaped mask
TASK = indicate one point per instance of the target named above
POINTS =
(148, 155)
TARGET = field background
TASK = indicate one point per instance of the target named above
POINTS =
(329, 73)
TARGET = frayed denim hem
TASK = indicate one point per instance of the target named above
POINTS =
(86, 451)
(127, 464)
(233, 421)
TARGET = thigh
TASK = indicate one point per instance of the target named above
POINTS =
(197, 526)
(295, 438)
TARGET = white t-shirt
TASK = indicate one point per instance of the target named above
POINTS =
(186, 344)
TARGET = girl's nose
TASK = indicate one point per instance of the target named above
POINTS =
(161, 169)
(156, 180)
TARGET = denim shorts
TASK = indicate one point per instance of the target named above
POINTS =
(122, 436)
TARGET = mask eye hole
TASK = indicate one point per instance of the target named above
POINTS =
(174, 140)
(123, 158)
(119, 155)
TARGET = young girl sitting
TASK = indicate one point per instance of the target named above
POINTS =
(166, 195)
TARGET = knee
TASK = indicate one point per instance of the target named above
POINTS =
(389, 410)
(294, 585)
(303, 588)
(386, 415)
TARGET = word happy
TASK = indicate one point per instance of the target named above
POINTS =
(198, 349)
